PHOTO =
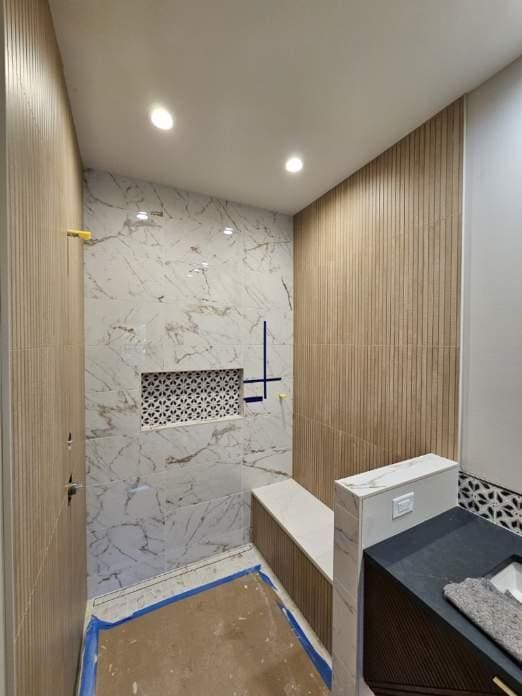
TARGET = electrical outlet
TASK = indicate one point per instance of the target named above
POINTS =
(403, 505)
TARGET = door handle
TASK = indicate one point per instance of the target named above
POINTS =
(72, 488)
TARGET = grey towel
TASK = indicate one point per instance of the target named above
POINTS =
(497, 614)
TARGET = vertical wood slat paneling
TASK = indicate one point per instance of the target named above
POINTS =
(376, 321)
(44, 398)
(308, 588)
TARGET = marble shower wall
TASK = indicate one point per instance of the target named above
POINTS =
(160, 499)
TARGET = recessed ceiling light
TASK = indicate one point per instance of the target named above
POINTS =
(294, 165)
(161, 118)
(228, 230)
(204, 264)
(189, 275)
(142, 215)
(198, 270)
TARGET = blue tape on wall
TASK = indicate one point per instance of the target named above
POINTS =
(264, 379)
(91, 639)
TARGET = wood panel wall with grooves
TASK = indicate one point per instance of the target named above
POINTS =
(308, 588)
(376, 321)
(42, 328)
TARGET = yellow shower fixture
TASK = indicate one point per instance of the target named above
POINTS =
(82, 234)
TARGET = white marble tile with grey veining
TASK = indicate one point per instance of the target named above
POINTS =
(267, 452)
(198, 326)
(110, 459)
(278, 403)
(219, 284)
(120, 322)
(125, 502)
(169, 447)
(279, 361)
(210, 357)
(128, 266)
(271, 292)
(113, 580)
(197, 531)
(199, 481)
(279, 326)
(112, 413)
(347, 549)
(107, 190)
(200, 462)
(174, 293)
(111, 367)
(259, 226)
(375, 481)
(270, 258)
(123, 546)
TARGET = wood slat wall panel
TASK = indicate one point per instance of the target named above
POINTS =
(376, 321)
(42, 328)
(309, 589)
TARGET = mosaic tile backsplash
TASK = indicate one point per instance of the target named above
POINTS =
(171, 398)
(494, 503)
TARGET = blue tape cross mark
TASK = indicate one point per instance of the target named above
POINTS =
(91, 640)
(264, 379)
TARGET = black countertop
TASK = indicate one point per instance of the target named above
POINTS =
(449, 548)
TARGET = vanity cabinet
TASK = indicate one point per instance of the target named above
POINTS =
(409, 650)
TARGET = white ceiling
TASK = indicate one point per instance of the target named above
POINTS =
(252, 81)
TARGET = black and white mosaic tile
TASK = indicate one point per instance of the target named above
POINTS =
(495, 504)
(173, 398)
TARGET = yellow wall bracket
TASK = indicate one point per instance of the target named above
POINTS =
(82, 234)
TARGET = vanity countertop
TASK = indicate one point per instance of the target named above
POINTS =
(449, 548)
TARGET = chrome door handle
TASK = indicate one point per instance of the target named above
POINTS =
(73, 488)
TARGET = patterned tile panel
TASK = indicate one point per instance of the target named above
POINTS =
(171, 398)
(495, 504)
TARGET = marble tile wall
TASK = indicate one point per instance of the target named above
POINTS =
(160, 499)
(363, 517)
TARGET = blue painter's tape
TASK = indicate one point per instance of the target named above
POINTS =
(265, 360)
(264, 577)
(319, 662)
(251, 399)
(260, 380)
(91, 639)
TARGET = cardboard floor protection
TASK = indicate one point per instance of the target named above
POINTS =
(231, 640)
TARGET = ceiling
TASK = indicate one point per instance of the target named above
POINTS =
(253, 81)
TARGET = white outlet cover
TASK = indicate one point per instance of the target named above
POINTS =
(403, 505)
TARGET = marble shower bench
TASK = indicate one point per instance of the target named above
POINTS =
(294, 531)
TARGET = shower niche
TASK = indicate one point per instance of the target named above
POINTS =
(197, 396)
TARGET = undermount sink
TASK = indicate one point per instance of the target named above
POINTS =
(509, 579)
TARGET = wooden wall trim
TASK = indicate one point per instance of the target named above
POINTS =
(5, 551)
(41, 360)
(376, 321)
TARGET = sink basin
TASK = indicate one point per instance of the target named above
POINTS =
(510, 579)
